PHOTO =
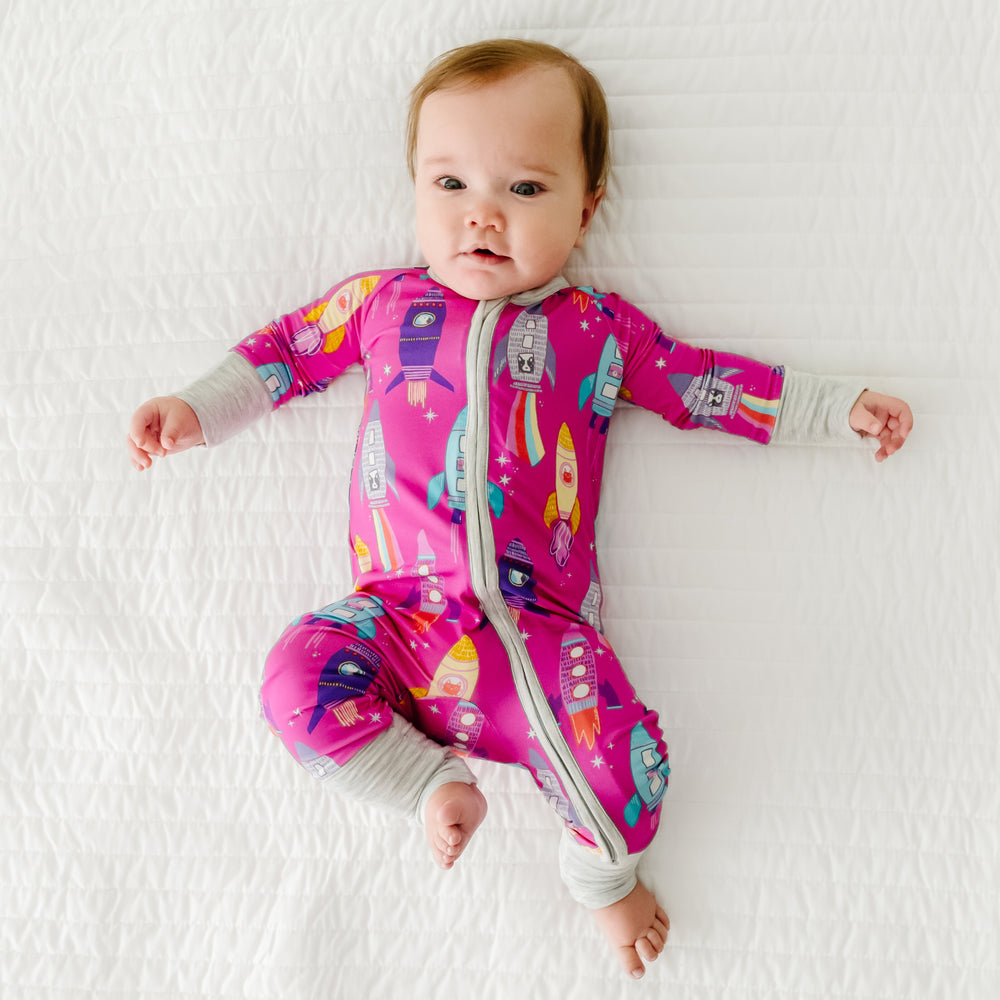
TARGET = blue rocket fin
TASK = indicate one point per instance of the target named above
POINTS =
(496, 498)
(587, 389)
(435, 490)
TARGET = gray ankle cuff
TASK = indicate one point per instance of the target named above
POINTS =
(399, 770)
(592, 881)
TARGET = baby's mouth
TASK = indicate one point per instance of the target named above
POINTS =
(484, 253)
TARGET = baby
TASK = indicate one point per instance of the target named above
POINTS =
(474, 628)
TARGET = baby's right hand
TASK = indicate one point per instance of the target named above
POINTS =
(160, 427)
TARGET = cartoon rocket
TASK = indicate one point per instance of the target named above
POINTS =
(578, 686)
(452, 480)
(378, 475)
(419, 337)
(346, 675)
(464, 727)
(551, 788)
(359, 610)
(517, 581)
(526, 351)
(590, 609)
(456, 675)
(562, 512)
(604, 385)
(277, 377)
(649, 774)
(426, 593)
(319, 766)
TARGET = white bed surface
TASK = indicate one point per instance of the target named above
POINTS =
(811, 183)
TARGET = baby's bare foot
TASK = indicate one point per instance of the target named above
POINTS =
(451, 816)
(636, 928)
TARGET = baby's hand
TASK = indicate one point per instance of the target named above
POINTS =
(160, 427)
(883, 417)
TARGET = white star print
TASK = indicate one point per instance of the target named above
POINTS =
(375, 716)
(504, 480)
(435, 710)
(660, 363)
(430, 416)
(597, 761)
(531, 735)
(387, 370)
(584, 325)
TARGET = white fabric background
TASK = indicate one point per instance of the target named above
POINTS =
(809, 182)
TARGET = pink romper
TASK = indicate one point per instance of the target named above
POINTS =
(477, 475)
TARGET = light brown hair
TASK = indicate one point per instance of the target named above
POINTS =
(489, 61)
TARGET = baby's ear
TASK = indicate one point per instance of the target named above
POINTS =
(590, 203)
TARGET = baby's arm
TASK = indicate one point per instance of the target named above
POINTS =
(209, 411)
(814, 407)
(884, 417)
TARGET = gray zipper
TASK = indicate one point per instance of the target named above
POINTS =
(486, 586)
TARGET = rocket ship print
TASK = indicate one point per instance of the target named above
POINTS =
(650, 770)
(526, 351)
(464, 727)
(456, 675)
(551, 789)
(604, 385)
(419, 337)
(452, 480)
(427, 593)
(517, 581)
(325, 324)
(710, 396)
(347, 675)
(578, 686)
(277, 378)
(562, 512)
(378, 475)
(358, 610)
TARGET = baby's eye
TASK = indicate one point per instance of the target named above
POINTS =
(526, 189)
(451, 184)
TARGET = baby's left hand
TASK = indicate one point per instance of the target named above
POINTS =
(883, 417)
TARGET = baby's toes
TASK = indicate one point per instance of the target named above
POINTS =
(647, 950)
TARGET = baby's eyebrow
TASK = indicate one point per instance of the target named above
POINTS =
(522, 170)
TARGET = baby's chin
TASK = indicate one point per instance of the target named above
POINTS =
(484, 281)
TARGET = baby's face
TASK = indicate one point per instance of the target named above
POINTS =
(501, 191)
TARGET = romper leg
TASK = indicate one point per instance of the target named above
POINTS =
(324, 695)
(618, 749)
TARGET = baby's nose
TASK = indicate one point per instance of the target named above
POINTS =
(485, 214)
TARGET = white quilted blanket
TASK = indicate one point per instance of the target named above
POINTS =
(814, 183)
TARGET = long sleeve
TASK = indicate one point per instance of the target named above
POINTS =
(815, 409)
(227, 399)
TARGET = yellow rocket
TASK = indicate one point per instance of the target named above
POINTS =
(562, 512)
(456, 675)
(331, 316)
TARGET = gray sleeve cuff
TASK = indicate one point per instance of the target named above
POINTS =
(399, 770)
(227, 399)
(815, 409)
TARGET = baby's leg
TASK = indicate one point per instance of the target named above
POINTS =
(322, 697)
(626, 911)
